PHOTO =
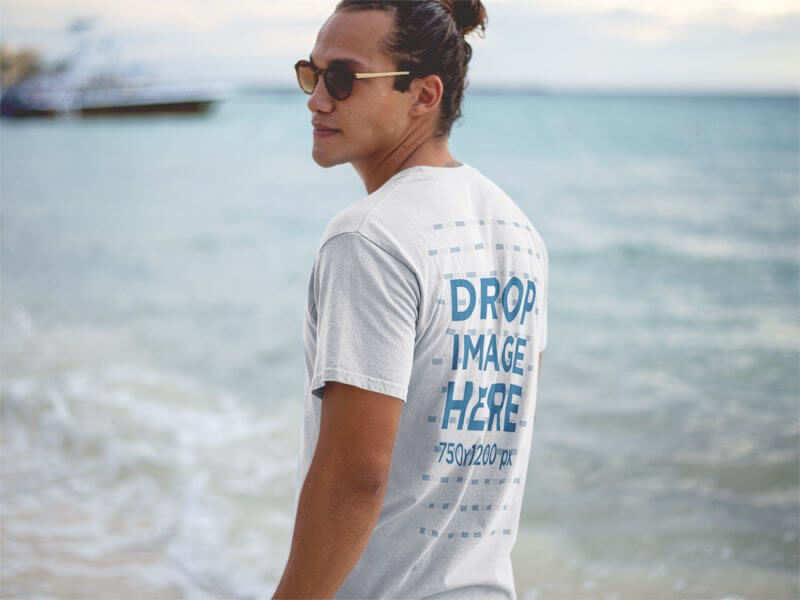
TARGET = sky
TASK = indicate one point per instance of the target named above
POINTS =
(671, 45)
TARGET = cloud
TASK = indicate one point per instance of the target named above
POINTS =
(602, 43)
(675, 11)
(628, 48)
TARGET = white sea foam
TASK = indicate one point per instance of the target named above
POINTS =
(120, 472)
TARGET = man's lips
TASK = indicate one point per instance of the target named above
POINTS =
(320, 127)
(324, 131)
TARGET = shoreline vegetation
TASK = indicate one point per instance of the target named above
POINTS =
(17, 64)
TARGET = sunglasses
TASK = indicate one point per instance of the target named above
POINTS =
(337, 77)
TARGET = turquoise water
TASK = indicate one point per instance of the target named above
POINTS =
(154, 273)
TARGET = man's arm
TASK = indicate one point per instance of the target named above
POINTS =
(540, 363)
(343, 492)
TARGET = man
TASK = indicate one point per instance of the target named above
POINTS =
(425, 325)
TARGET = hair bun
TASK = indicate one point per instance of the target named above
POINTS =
(468, 14)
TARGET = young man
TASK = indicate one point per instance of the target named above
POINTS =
(424, 331)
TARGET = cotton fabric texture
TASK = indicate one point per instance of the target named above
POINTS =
(433, 289)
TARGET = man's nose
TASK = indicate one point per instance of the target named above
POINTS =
(320, 100)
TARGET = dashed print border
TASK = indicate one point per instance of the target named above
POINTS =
(479, 245)
(462, 507)
(464, 223)
(461, 534)
(492, 273)
(470, 507)
(434, 418)
(486, 480)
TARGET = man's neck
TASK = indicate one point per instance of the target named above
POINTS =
(431, 152)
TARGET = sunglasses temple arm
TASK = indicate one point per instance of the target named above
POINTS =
(368, 75)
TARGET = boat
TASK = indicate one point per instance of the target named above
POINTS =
(78, 88)
(45, 95)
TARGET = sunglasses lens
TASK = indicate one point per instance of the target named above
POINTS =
(306, 77)
(339, 81)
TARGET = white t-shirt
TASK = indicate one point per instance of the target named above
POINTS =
(433, 289)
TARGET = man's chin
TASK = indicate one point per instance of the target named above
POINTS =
(326, 160)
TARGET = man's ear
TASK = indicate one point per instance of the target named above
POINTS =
(426, 93)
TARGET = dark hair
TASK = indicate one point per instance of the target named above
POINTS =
(428, 38)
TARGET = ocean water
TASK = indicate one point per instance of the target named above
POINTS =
(154, 274)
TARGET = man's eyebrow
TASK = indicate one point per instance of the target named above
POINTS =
(347, 61)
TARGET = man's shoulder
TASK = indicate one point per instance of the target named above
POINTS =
(347, 220)
(373, 213)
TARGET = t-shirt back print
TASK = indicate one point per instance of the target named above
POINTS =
(433, 289)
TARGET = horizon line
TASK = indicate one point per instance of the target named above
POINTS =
(536, 89)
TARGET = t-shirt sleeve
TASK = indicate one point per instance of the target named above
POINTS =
(366, 304)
